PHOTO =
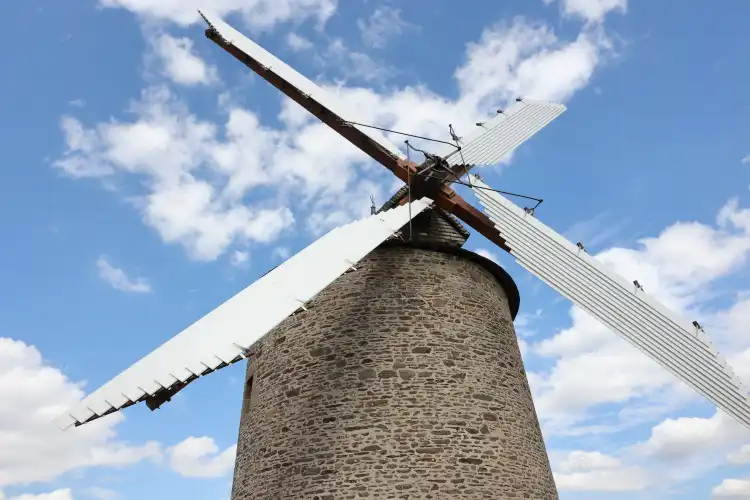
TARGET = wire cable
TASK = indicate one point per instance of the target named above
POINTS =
(400, 133)
(463, 161)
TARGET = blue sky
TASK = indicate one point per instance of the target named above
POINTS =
(148, 177)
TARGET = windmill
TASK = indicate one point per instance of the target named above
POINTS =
(389, 323)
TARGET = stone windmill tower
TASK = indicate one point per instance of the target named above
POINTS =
(382, 360)
(402, 380)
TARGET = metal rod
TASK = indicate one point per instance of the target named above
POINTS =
(408, 187)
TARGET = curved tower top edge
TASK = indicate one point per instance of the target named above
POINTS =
(500, 274)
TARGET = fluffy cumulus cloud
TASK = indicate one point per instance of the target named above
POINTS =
(297, 42)
(352, 65)
(531, 61)
(99, 493)
(741, 456)
(595, 471)
(259, 14)
(165, 146)
(732, 488)
(682, 438)
(119, 279)
(384, 24)
(63, 494)
(32, 449)
(199, 174)
(178, 62)
(687, 447)
(200, 457)
(592, 11)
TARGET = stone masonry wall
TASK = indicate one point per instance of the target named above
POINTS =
(403, 380)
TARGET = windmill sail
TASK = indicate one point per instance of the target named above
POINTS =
(318, 101)
(493, 139)
(673, 342)
(223, 335)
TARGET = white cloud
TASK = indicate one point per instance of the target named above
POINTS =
(99, 493)
(239, 258)
(530, 61)
(683, 438)
(739, 457)
(195, 176)
(579, 460)
(487, 254)
(732, 488)
(281, 253)
(594, 232)
(179, 63)
(740, 361)
(200, 457)
(745, 160)
(32, 449)
(259, 14)
(298, 42)
(595, 471)
(63, 494)
(677, 450)
(594, 366)
(83, 142)
(592, 11)
(523, 346)
(725, 327)
(349, 65)
(189, 213)
(524, 323)
(119, 280)
(77, 103)
(384, 24)
(165, 145)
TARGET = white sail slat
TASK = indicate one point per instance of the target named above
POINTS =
(495, 138)
(663, 335)
(222, 335)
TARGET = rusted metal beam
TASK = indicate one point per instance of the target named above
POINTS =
(396, 165)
